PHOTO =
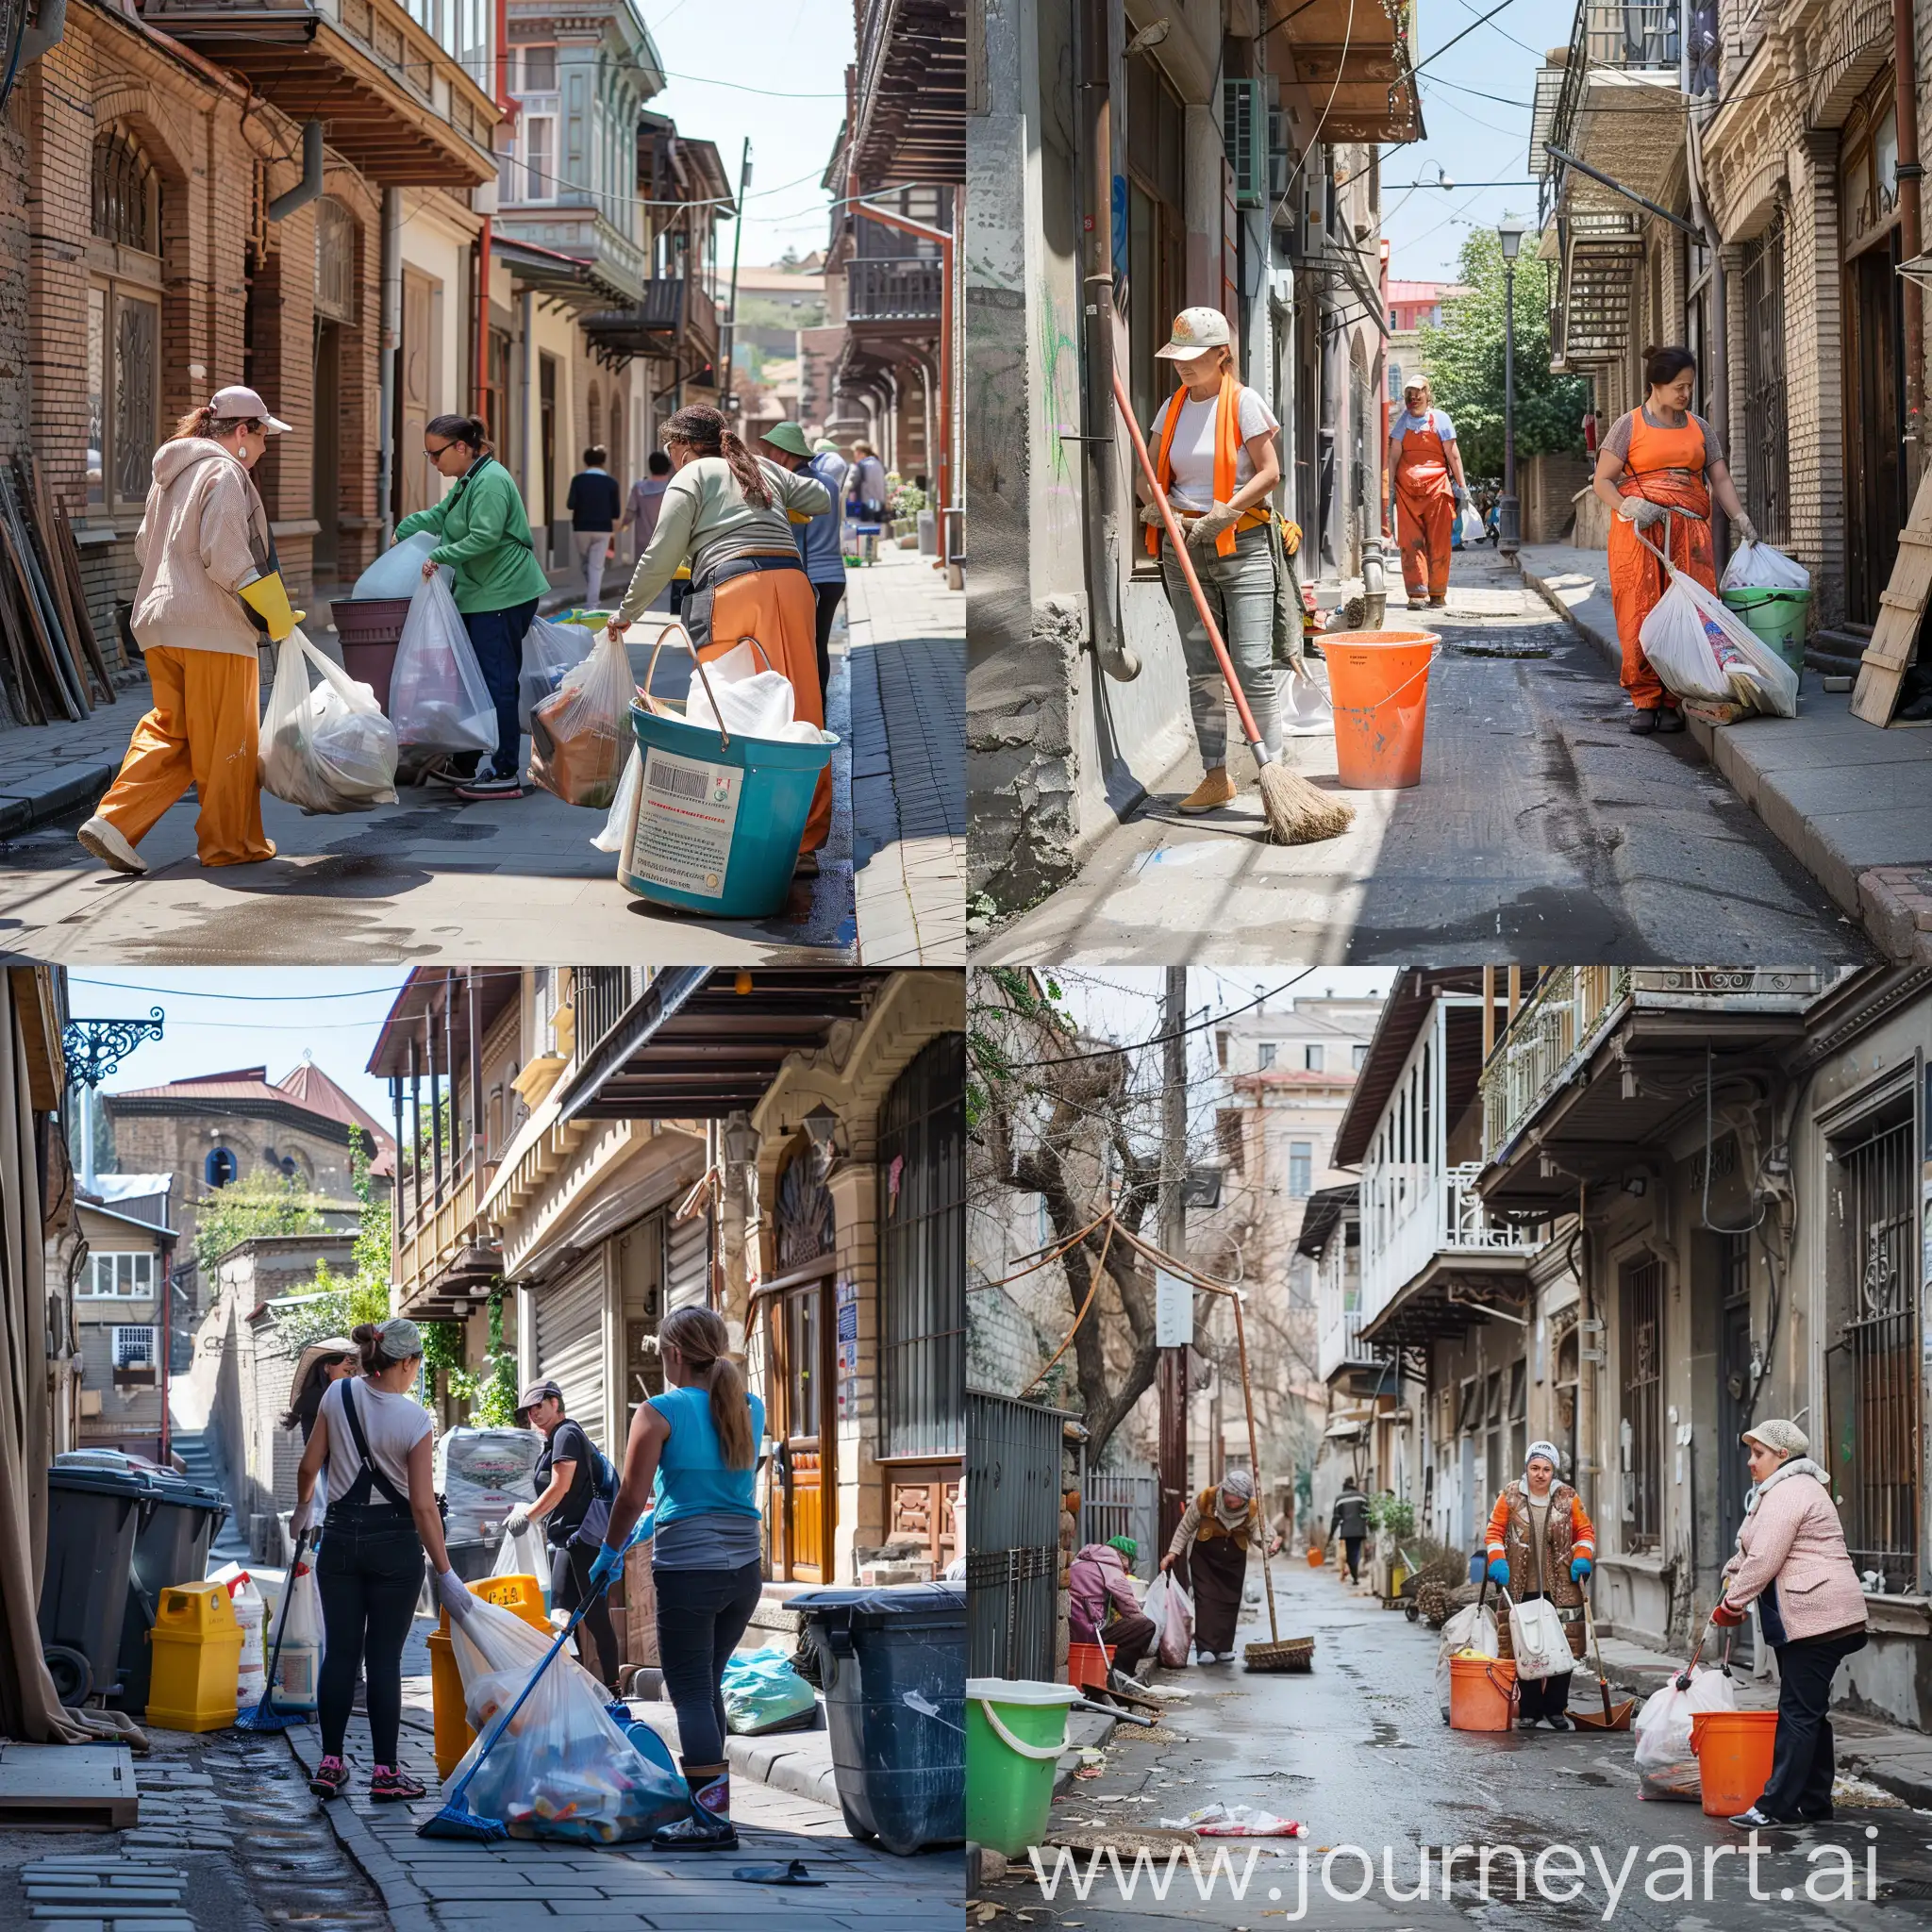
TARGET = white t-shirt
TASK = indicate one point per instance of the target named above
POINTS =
(394, 1424)
(1192, 454)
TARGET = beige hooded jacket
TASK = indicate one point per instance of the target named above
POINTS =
(204, 533)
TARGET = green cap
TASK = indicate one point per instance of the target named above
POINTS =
(1125, 1545)
(788, 436)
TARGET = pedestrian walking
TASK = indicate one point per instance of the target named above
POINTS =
(486, 540)
(1101, 1605)
(645, 500)
(210, 589)
(821, 542)
(573, 1514)
(1791, 1560)
(1543, 1545)
(320, 1364)
(594, 502)
(375, 1438)
(1658, 470)
(692, 1453)
(727, 514)
(1215, 456)
(1349, 1520)
(868, 483)
(1213, 1537)
(1426, 489)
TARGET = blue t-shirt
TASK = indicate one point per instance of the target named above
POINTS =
(692, 1476)
(1437, 419)
(821, 543)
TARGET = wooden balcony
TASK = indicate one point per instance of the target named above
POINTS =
(1346, 72)
(898, 289)
(441, 1249)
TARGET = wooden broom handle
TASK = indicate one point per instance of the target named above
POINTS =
(1241, 1338)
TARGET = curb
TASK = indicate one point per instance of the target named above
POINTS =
(777, 1761)
(79, 785)
(394, 1886)
(1605, 648)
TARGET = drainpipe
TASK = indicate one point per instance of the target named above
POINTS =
(310, 186)
(527, 439)
(392, 283)
(1718, 395)
(1906, 95)
(44, 33)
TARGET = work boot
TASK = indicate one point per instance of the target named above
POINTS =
(708, 1828)
(110, 847)
(1670, 719)
(1215, 789)
(1643, 720)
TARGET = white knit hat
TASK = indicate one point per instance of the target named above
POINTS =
(1787, 1439)
(1548, 1451)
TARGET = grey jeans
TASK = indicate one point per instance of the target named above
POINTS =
(1240, 593)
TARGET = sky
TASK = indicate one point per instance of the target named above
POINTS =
(1476, 109)
(218, 1018)
(795, 52)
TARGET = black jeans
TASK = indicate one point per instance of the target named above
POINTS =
(1802, 1763)
(570, 1583)
(497, 638)
(369, 1572)
(827, 597)
(1544, 1697)
(1351, 1554)
(701, 1615)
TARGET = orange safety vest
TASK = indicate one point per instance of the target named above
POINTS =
(1227, 443)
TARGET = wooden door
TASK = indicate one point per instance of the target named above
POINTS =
(1875, 428)
(417, 485)
(800, 1339)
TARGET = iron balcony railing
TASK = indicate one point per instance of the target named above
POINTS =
(601, 996)
(1627, 36)
(1411, 1212)
(893, 288)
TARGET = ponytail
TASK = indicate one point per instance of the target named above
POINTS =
(204, 421)
(703, 429)
(699, 1335)
(367, 1336)
(469, 431)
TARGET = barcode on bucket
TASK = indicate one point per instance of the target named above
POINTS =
(675, 783)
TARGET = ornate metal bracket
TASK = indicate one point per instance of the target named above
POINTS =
(95, 1048)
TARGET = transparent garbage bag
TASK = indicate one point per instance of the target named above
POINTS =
(578, 734)
(762, 1693)
(1666, 1766)
(1702, 650)
(1759, 567)
(561, 1769)
(399, 568)
(551, 652)
(1473, 531)
(1472, 1627)
(522, 1553)
(620, 827)
(327, 748)
(436, 695)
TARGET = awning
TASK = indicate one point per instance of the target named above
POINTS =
(1346, 1429)
(1446, 1299)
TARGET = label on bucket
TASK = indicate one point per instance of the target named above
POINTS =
(687, 812)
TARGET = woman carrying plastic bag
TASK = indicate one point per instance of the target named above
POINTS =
(328, 749)
(437, 696)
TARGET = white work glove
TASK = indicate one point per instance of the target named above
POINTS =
(302, 1517)
(517, 1520)
(1209, 526)
(1150, 515)
(1641, 512)
(456, 1595)
(1745, 528)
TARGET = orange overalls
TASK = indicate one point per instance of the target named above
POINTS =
(1666, 466)
(1424, 508)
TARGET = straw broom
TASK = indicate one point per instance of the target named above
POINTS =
(1296, 812)
(1297, 1652)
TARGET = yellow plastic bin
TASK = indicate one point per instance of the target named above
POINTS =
(523, 1595)
(197, 1659)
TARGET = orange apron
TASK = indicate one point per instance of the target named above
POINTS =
(1667, 467)
(1424, 508)
(202, 731)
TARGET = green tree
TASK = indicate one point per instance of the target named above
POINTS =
(1464, 357)
(363, 1294)
(263, 1202)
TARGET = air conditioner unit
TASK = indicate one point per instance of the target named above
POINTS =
(1280, 158)
(1243, 132)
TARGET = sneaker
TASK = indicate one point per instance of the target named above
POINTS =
(481, 791)
(1643, 720)
(1214, 790)
(329, 1777)
(1754, 1819)
(1527, 1724)
(1206, 1657)
(98, 836)
(1562, 1721)
(390, 1785)
(1670, 719)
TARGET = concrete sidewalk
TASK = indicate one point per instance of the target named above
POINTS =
(1851, 803)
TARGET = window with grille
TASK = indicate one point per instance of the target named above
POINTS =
(119, 1276)
(123, 338)
(126, 193)
(134, 1348)
(1767, 479)
(335, 260)
(1640, 1428)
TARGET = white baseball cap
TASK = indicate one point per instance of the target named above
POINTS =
(235, 401)
(1195, 329)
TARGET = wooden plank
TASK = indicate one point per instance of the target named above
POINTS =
(83, 617)
(35, 620)
(39, 502)
(22, 684)
(67, 1781)
(1902, 609)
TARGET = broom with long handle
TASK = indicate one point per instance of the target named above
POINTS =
(1298, 812)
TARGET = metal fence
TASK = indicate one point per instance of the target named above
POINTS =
(1013, 1464)
(1112, 1505)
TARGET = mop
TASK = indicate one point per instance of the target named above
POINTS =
(263, 1716)
(1298, 812)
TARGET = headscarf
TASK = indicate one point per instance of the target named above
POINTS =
(1550, 1453)
(401, 1341)
(1241, 1485)
(1786, 1439)
(1126, 1546)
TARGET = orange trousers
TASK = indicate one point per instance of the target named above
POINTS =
(777, 607)
(1637, 581)
(1423, 526)
(202, 731)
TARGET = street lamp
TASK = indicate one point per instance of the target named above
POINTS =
(1509, 517)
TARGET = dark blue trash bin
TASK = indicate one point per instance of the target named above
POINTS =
(94, 1515)
(893, 1665)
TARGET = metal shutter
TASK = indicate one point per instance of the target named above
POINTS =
(687, 1262)
(570, 1345)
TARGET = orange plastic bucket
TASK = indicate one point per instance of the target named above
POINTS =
(1733, 1750)
(1086, 1665)
(1482, 1693)
(1378, 681)
(1317, 1558)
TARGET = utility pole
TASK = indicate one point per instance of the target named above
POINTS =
(1173, 1240)
(729, 395)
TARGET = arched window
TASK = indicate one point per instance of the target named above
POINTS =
(123, 323)
(219, 1169)
(127, 195)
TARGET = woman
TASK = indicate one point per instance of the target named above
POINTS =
(210, 589)
(694, 1453)
(486, 540)
(375, 1437)
(1213, 446)
(1658, 469)
(322, 1362)
(1213, 1536)
(1791, 1558)
(1543, 1545)
(1425, 487)
(642, 505)
(1101, 1605)
(729, 514)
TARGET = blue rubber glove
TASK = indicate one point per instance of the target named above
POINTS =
(1499, 1573)
(1579, 1569)
(646, 1529)
(608, 1568)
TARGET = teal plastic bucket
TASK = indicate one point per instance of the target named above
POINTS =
(1776, 617)
(720, 818)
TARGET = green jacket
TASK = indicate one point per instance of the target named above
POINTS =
(486, 540)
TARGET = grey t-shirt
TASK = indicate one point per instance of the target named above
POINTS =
(1618, 440)
(712, 1540)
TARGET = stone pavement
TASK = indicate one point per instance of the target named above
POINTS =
(1851, 803)
(907, 659)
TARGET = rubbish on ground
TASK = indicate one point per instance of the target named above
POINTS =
(762, 1693)
(1759, 567)
(436, 695)
(578, 736)
(1849, 1789)
(399, 568)
(1235, 1821)
(329, 748)
(551, 652)
(793, 1872)
(1666, 1766)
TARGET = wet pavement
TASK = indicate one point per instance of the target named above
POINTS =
(1357, 1750)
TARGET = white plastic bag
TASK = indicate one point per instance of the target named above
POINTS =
(398, 570)
(751, 701)
(579, 733)
(1700, 650)
(1473, 531)
(298, 1669)
(621, 823)
(436, 695)
(1473, 1627)
(1170, 1609)
(563, 1769)
(1305, 707)
(1538, 1642)
(521, 1553)
(551, 652)
(1666, 1766)
(328, 749)
(1759, 567)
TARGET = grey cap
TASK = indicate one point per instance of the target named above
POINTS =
(1786, 1438)
(536, 1392)
(401, 1341)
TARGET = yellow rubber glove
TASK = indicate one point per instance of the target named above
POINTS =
(268, 597)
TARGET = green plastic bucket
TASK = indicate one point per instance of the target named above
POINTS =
(720, 818)
(1015, 1733)
(1777, 617)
